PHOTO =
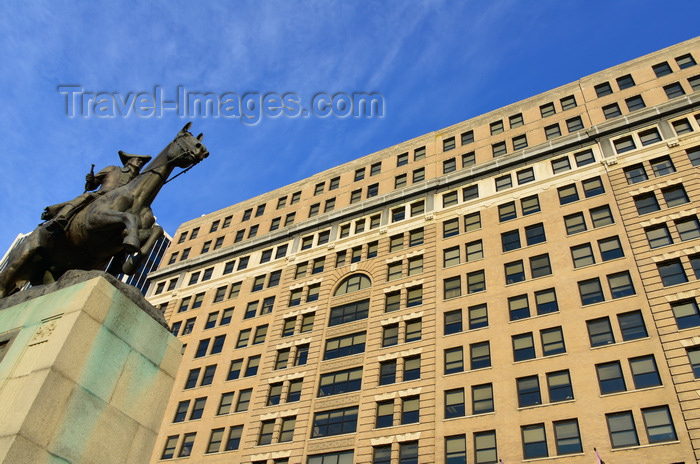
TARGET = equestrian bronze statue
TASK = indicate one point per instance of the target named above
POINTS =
(116, 221)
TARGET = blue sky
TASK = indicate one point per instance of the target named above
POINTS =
(434, 62)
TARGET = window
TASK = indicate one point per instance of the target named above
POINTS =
(603, 89)
(499, 149)
(476, 282)
(659, 425)
(338, 457)
(547, 110)
(411, 368)
(415, 237)
(252, 366)
(682, 126)
(694, 358)
(561, 165)
(485, 450)
(359, 174)
(672, 272)
(674, 90)
(625, 82)
(694, 83)
(478, 316)
(398, 214)
(410, 410)
(635, 173)
(381, 454)
(294, 392)
(496, 127)
(206, 246)
(646, 203)
(610, 378)
(610, 248)
(345, 345)
(289, 219)
(584, 158)
(517, 120)
(523, 347)
(470, 193)
(482, 398)
(674, 195)
(552, 131)
(468, 159)
(590, 291)
(334, 422)
(552, 341)
(685, 61)
(650, 136)
(621, 284)
(449, 165)
(632, 325)
(568, 103)
(402, 159)
(535, 234)
(339, 382)
(472, 222)
(534, 441)
(456, 449)
(414, 296)
(289, 326)
(686, 313)
(574, 124)
(622, 430)
(449, 199)
(582, 255)
(408, 452)
(449, 228)
(507, 211)
(474, 250)
(302, 355)
(387, 372)
(518, 307)
(592, 187)
(392, 302)
(559, 385)
(453, 321)
(187, 444)
(448, 144)
(601, 216)
(510, 240)
(451, 256)
(540, 266)
(644, 372)
(520, 142)
(329, 206)
(454, 360)
(480, 355)
(349, 312)
(600, 332)
(530, 205)
(467, 137)
(375, 169)
(635, 103)
(567, 194)
(688, 228)
(567, 436)
(515, 272)
(419, 175)
(611, 111)
(334, 184)
(282, 358)
(694, 155)
(525, 176)
(390, 335)
(355, 196)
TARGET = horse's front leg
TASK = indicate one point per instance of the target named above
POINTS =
(103, 218)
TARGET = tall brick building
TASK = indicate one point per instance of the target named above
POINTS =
(517, 286)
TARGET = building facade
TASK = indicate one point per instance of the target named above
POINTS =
(519, 286)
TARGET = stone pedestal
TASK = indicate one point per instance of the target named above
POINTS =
(85, 376)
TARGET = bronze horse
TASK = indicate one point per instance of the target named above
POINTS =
(118, 224)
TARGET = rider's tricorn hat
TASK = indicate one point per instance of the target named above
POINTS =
(127, 156)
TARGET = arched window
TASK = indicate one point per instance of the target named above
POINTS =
(353, 283)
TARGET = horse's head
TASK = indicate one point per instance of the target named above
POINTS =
(188, 150)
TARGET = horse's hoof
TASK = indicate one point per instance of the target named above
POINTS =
(131, 244)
